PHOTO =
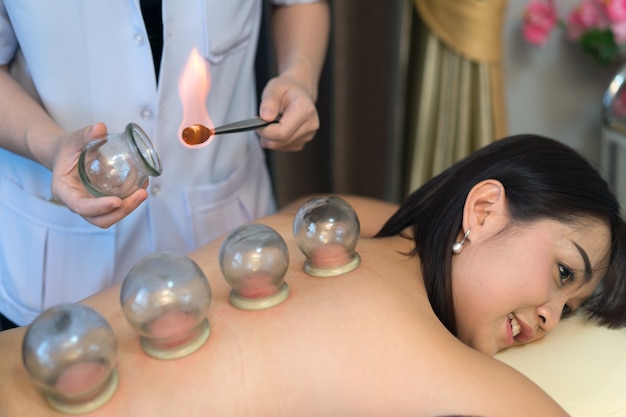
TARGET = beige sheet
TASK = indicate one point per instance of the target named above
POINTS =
(582, 366)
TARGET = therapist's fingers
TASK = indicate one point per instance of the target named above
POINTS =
(292, 133)
(102, 211)
(269, 110)
(67, 188)
(299, 119)
(106, 212)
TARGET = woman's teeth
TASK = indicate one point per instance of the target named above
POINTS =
(515, 327)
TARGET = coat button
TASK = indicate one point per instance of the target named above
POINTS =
(155, 189)
(138, 38)
(146, 114)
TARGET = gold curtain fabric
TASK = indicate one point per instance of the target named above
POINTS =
(456, 95)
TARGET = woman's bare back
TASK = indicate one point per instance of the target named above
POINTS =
(365, 343)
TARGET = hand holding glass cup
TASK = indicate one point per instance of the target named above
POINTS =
(119, 163)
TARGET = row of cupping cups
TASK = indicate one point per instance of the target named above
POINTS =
(70, 350)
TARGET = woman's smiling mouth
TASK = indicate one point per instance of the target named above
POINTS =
(515, 326)
(521, 332)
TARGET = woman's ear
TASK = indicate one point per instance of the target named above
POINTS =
(485, 208)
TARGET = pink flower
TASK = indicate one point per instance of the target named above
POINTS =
(592, 14)
(589, 14)
(540, 17)
(615, 10)
(599, 26)
(575, 26)
(619, 32)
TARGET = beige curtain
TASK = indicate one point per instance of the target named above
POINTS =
(455, 94)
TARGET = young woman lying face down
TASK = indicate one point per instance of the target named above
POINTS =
(411, 331)
(543, 183)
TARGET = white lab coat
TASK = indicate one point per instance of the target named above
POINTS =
(90, 61)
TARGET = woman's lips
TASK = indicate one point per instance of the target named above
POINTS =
(520, 330)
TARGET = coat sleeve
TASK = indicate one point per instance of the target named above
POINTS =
(8, 41)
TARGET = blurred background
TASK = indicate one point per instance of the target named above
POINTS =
(411, 86)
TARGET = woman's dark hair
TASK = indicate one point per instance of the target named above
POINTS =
(543, 179)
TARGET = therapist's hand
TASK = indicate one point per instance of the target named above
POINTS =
(299, 120)
(68, 189)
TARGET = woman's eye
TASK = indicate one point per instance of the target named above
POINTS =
(566, 275)
(567, 312)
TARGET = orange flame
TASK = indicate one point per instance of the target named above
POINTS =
(193, 87)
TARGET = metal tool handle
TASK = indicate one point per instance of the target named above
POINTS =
(242, 126)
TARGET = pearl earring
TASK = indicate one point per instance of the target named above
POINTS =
(458, 246)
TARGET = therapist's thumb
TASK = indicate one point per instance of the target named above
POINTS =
(269, 110)
(93, 132)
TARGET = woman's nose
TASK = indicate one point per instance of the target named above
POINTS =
(549, 315)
